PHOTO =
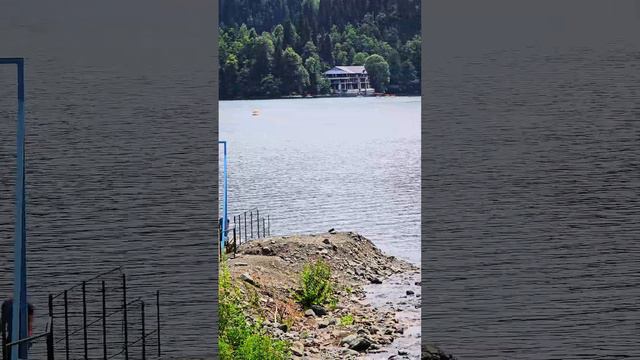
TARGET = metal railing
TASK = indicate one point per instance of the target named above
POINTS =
(94, 319)
(247, 226)
(8, 347)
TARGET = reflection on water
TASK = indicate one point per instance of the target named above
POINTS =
(531, 204)
(352, 164)
(120, 155)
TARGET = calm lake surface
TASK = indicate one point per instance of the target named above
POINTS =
(531, 203)
(121, 161)
(352, 164)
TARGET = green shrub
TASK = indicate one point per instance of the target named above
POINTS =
(260, 346)
(315, 283)
(346, 320)
(238, 339)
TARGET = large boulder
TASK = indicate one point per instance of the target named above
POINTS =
(357, 342)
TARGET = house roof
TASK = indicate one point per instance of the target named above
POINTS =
(347, 70)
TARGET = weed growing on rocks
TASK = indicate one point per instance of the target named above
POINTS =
(238, 339)
(346, 320)
(315, 283)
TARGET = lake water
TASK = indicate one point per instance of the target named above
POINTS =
(352, 164)
(121, 160)
(531, 203)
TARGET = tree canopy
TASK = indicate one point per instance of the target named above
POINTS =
(282, 47)
(378, 70)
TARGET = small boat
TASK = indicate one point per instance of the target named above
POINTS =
(255, 113)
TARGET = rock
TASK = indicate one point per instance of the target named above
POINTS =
(375, 280)
(332, 231)
(267, 251)
(323, 324)
(319, 310)
(351, 352)
(409, 292)
(402, 352)
(326, 241)
(241, 264)
(309, 313)
(431, 352)
(356, 342)
(248, 279)
(283, 327)
(297, 348)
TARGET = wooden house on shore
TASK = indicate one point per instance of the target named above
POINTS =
(349, 81)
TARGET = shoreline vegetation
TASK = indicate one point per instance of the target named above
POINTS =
(304, 296)
(321, 96)
(282, 48)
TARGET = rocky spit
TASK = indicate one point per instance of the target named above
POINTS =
(267, 272)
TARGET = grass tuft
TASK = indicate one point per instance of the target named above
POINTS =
(346, 320)
(315, 284)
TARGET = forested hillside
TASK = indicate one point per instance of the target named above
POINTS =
(273, 48)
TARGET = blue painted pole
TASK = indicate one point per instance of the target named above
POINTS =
(19, 328)
(224, 202)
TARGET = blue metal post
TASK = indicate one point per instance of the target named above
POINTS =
(224, 202)
(20, 311)
(19, 328)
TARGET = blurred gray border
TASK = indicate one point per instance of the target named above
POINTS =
(215, 181)
(423, 248)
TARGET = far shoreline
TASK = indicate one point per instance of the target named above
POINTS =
(300, 97)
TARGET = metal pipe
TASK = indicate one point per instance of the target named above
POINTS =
(90, 279)
(84, 320)
(3, 324)
(66, 325)
(50, 343)
(124, 317)
(258, 222)
(19, 309)
(144, 336)
(158, 320)
(104, 321)
(224, 204)
(28, 339)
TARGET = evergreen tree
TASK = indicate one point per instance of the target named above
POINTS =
(300, 39)
(295, 77)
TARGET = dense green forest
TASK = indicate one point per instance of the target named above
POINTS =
(273, 48)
